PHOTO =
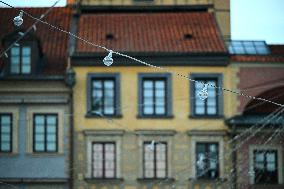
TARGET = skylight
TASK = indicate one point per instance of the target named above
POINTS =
(248, 47)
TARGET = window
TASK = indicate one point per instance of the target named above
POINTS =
(265, 167)
(45, 133)
(104, 161)
(212, 106)
(5, 133)
(248, 47)
(154, 95)
(103, 94)
(155, 160)
(20, 60)
(207, 165)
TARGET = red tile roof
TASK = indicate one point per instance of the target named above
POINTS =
(54, 43)
(277, 55)
(151, 32)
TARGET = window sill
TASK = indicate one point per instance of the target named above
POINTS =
(92, 115)
(154, 116)
(45, 154)
(101, 180)
(155, 179)
(208, 180)
(8, 154)
(206, 117)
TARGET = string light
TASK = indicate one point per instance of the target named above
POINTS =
(6, 55)
(151, 146)
(203, 94)
(18, 20)
(108, 59)
(21, 33)
(34, 27)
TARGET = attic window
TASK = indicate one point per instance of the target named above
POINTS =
(109, 36)
(187, 36)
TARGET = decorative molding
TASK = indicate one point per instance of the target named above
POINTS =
(207, 132)
(156, 132)
(103, 132)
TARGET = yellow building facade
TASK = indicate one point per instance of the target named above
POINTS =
(138, 126)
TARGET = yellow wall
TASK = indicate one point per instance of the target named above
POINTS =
(129, 91)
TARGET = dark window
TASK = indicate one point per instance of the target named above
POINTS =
(103, 96)
(154, 95)
(20, 60)
(212, 106)
(208, 106)
(265, 167)
(155, 160)
(5, 133)
(45, 133)
(207, 165)
(104, 160)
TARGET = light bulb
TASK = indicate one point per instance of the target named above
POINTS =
(108, 59)
(18, 20)
(151, 146)
(203, 94)
(21, 33)
(6, 55)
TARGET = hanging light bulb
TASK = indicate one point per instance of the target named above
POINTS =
(34, 27)
(18, 20)
(203, 94)
(21, 33)
(6, 55)
(108, 59)
(200, 162)
(151, 146)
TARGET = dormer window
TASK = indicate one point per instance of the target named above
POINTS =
(20, 59)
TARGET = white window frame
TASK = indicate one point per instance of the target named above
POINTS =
(92, 136)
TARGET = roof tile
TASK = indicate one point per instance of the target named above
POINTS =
(151, 32)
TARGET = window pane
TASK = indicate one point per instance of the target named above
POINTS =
(26, 60)
(109, 93)
(15, 61)
(109, 84)
(26, 69)
(15, 51)
(148, 110)
(39, 120)
(109, 173)
(5, 146)
(39, 129)
(6, 129)
(148, 84)
(51, 120)
(97, 84)
(51, 138)
(5, 120)
(148, 92)
(26, 51)
(160, 93)
(15, 69)
(211, 110)
(51, 146)
(160, 84)
(39, 137)
(271, 167)
(39, 146)
(199, 110)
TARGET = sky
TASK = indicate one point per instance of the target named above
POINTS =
(250, 19)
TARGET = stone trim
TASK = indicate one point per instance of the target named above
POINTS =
(113, 136)
(208, 138)
(103, 132)
(15, 127)
(207, 132)
(279, 161)
(160, 137)
(156, 132)
(62, 121)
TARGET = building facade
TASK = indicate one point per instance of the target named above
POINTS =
(34, 104)
(258, 126)
(142, 127)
